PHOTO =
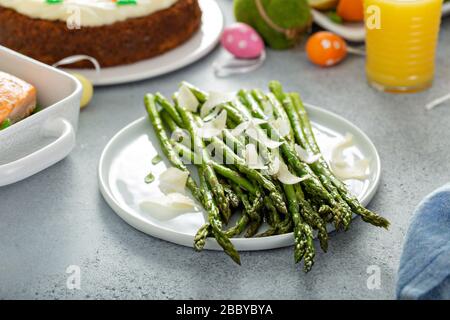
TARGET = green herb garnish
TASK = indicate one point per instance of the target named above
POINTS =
(333, 16)
(149, 178)
(37, 109)
(156, 159)
(5, 124)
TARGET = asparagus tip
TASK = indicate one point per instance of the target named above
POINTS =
(384, 223)
(308, 266)
(236, 258)
(324, 246)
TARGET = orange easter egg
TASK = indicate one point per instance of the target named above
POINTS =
(326, 49)
(351, 10)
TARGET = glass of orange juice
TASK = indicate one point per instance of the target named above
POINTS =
(401, 37)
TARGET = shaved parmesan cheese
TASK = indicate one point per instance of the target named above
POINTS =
(252, 158)
(214, 99)
(343, 169)
(261, 137)
(166, 207)
(286, 177)
(214, 127)
(274, 166)
(257, 122)
(187, 99)
(356, 171)
(245, 125)
(283, 126)
(173, 180)
(305, 156)
(240, 128)
(213, 114)
(337, 154)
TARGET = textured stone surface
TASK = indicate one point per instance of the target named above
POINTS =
(58, 218)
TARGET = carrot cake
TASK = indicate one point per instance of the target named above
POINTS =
(115, 32)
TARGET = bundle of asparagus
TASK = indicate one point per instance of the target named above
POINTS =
(301, 205)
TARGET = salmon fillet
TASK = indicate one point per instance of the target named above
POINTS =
(17, 98)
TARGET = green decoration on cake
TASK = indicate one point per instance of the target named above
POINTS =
(281, 23)
(5, 124)
(126, 2)
(118, 2)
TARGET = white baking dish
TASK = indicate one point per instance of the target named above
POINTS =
(48, 136)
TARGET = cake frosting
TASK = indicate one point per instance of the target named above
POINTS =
(88, 13)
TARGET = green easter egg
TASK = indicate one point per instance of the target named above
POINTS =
(281, 23)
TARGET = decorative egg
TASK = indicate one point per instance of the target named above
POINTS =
(242, 41)
(88, 90)
(326, 49)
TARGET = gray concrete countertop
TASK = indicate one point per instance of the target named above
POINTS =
(58, 218)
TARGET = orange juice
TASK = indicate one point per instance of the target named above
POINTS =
(401, 43)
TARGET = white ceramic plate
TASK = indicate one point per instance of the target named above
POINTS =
(352, 31)
(197, 47)
(126, 160)
(348, 31)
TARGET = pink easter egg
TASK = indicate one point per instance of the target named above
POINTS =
(242, 41)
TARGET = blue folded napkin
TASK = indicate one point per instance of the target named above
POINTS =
(424, 271)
